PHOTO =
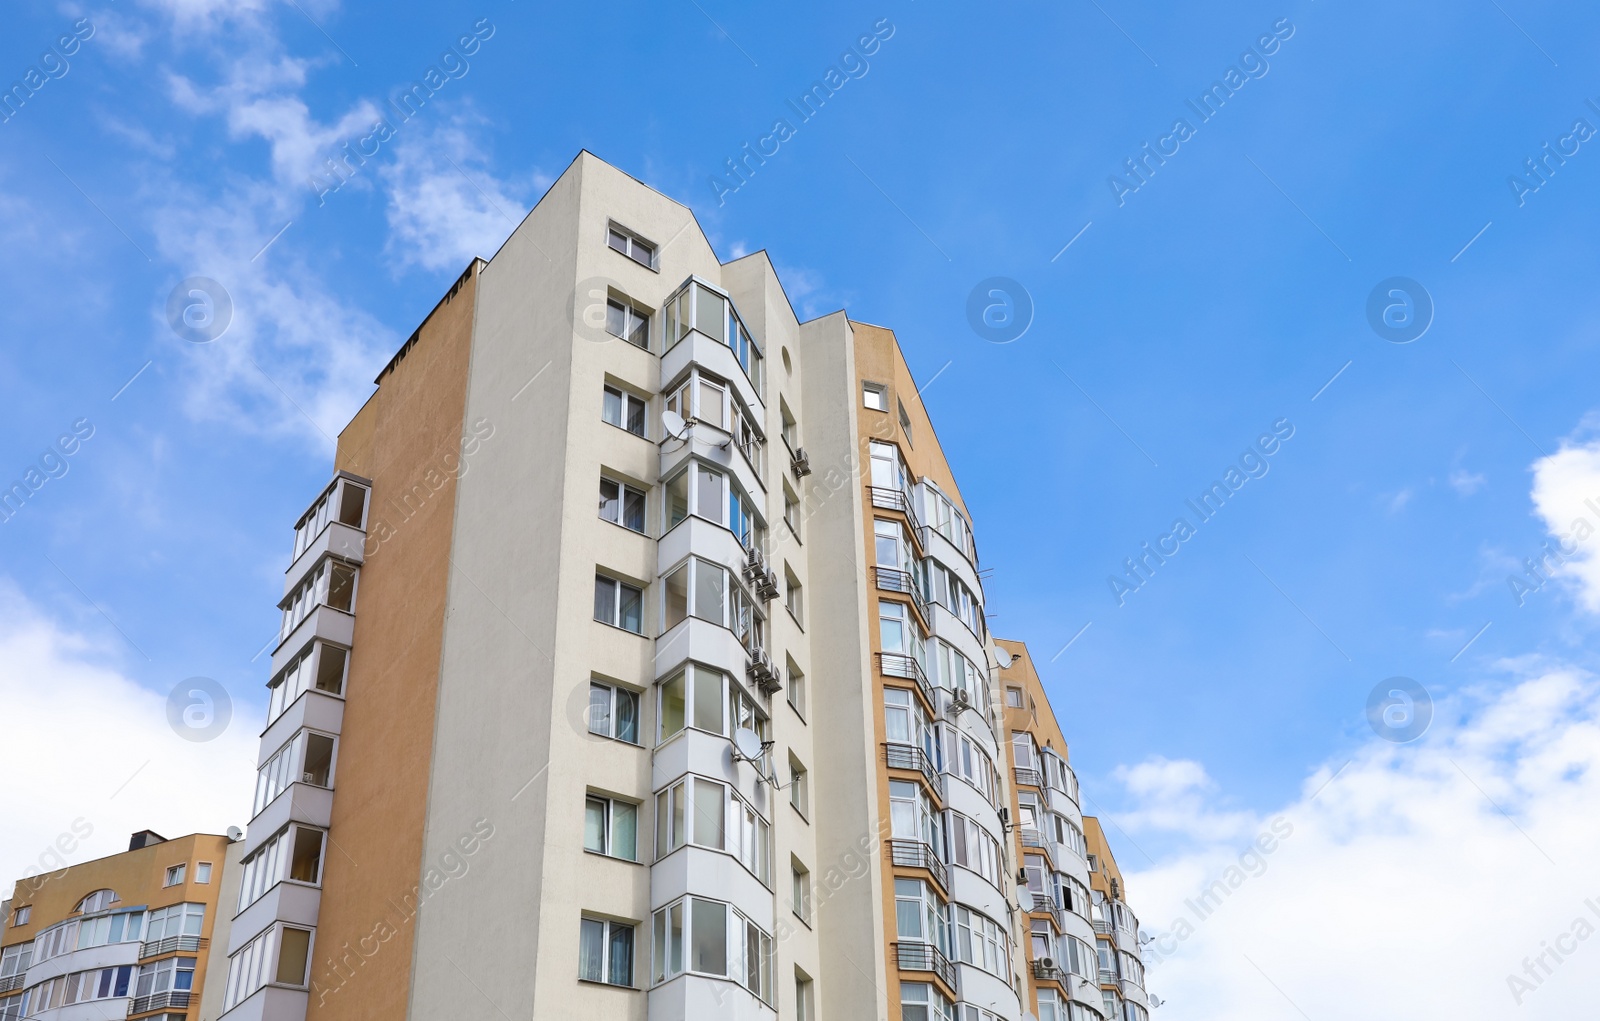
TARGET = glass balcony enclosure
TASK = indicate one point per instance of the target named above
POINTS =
(699, 306)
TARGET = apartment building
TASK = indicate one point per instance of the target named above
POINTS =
(634, 664)
(123, 936)
(1084, 953)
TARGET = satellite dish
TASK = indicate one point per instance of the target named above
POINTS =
(1004, 658)
(747, 744)
(673, 422)
(235, 834)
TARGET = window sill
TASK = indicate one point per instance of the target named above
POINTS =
(803, 919)
(619, 627)
(608, 985)
(610, 857)
(626, 528)
(797, 811)
(796, 710)
(630, 432)
(796, 618)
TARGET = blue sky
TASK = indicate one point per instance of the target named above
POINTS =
(1182, 321)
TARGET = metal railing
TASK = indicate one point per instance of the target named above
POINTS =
(1102, 928)
(159, 1001)
(924, 957)
(892, 579)
(909, 756)
(1033, 838)
(897, 500)
(1042, 905)
(1029, 776)
(12, 982)
(914, 854)
(1051, 972)
(898, 664)
(1107, 977)
(156, 948)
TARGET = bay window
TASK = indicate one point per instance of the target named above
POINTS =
(698, 307)
(294, 853)
(709, 814)
(709, 937)
(280, 954)
(307, 758)
(331, 583)
(967, 759)
(706, 699)
(887, 469)
(320, 666)
(124, 926)
(954, 672)
(980, 941)
(905, 722)
(700, 588)
(973, 848)
(343, 501)
(699, 490)
(941, 513)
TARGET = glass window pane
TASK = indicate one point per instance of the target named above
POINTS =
(627, 716)
(708, 700)
(708, 935)
(710, 810)
(672, 706)
(591, 949)
(710, 314)
(620, 972)
(605, 600)
(635, 415)
(594, 825)
(631, 610)
(711, 406)
(610, 502)
(633, 509)
(293, 949)
(708, 495)
(677, 499)
(599, 709)
(624, 831)
(710, 593)
(616, 319)
(677, 596)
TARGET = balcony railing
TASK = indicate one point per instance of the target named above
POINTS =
(1108, 977)
(898, 664)
(909, 756)
(1101, 927)
(1026, 775)
(892, 579)
(1042, 905)
(155, 948)
(898, 500)
(159, 1001)
(1051, 972)
(924, 957)
(12, 982)
(914, 854)
(1033, 838)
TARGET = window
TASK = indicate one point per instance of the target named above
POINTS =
(618, 604)
(264, 960)
(699, 588)
(707, 493)
(1108, 957)
(791, 429)
(921, 1001)
(613, 712)
(623, 410)
(791, 595)
(305, 758)
(640, 251)
(605, 952)
(81, 987)
(708, 700)
(177, 920)
(970, 762)
(719, 941)
(175, 875)
(621, 504)
(905, 419)
(698, 307)
(1014, 697)
(294, 853)
(973, 848)
(611, 827)
(800, 891)
(799, 786)
(912, 815)
(875, 396)
(980, 941)
(791, 510)
(331, 583)
(175, 974)
(294, 953)
(202, 872)
(625, 322)
(796, 686)
(97, 901)
(1094, 863)
(940, 512)
(320, 666)
(14, 960)
(351, 503)
(703, 812)
(22, 915)
(920, 914)
(805, 1007)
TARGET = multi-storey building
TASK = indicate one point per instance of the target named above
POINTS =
(1083, 942)
(634, 664)
(123, 936)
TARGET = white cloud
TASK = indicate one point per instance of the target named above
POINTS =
(95, 749)
(445, 207)
(1566, 494)
(1399, 889)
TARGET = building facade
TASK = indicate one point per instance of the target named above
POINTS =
(634, 664)
(124, 936)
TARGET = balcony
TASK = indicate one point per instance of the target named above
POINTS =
(1108, 977)
(898, 500)
(159, 1001)
(12, 983)
(909, 756)
(1102, 928)
(898, 664)
(892, 579)
(172, 944)
(1033, 838)
(1030, 777)
(914, 854)
(924, 957)
(1048, 970)
(1042, 905)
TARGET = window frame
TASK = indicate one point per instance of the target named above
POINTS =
(609, 805)
(879, 390)
(619, 587)
(634, 316)
(624, 491)
(624, 395)
(175, 875)
(615, 692)
(630, 239)
(609, 929)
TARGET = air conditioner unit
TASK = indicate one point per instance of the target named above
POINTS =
(959, 698)
(1048, 963)
(761, 670)
(800, 463)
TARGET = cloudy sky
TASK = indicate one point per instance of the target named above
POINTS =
(1239, 277)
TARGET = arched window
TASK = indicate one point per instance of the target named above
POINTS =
(98, 901)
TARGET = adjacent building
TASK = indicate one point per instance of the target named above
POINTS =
(124, 936)
(634, 664)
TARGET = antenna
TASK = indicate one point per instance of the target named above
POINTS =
(674, 425)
